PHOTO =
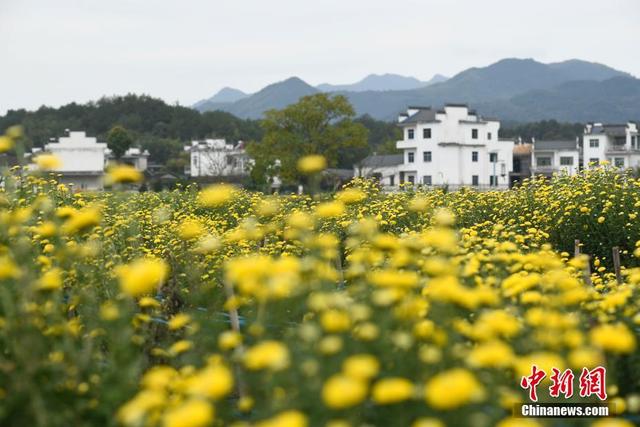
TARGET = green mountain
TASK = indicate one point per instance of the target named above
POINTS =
(495, 87)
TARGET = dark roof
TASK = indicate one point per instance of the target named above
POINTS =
(610, 129)
(423, 115)
(555, 145)
(453, 104)
(381, 161)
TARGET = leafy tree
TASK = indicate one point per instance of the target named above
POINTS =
(316, 124)
(119, 141)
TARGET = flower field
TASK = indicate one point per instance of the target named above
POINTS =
(224, 307)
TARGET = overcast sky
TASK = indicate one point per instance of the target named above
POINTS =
(56, 51)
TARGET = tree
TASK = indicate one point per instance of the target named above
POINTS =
(316, 124)
(119, 141)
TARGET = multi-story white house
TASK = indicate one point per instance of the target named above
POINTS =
(214, 157)
(453, 146)
(619, 144)
(549, 157)
(83, 160)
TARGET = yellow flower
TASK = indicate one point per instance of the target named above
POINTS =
(179, 321)
(290, 418)
(330, 209)
(394, 278)
(133, 412)
(312, 164)
(351, 195)
(8, 269)
(82, 220)
(342, 391)
(213, 382)
(600, 219)
(391, 390)
(333, 321)
(192, 413)
(491, 354)
(228, 340)
(615, 338)
(271, 355)
(51, 280)
(180, 347)
(452, 389)
(142, 276)
(361, 366)
(123, 174)
(159, 377)
(216, 195)
(47, 162)
(190, 229)
(428, 422)
(6, 144)
(15, 131)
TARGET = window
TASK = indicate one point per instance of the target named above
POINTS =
(489, 136)
(474, 133)
(543, 161)
(595, 161)
(493, 157)
(410, 133)
(594, 143)
(426, 133)
(566, 161)
(392, 180)
(618, 162)
(426, 180)
(475, 180)
(426, 156)
(410, 157)
(474, 156)
(517, 165)
(411, 179)
(493, 180)
(195, 161)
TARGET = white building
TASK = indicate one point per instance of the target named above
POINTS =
(385, 168)
(549, 157)
(134, 156)
(214, 157)
(619, 144)
(83, 160)
(453, 146)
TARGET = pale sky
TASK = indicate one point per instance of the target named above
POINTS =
(56, 51)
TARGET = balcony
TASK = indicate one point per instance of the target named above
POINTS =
(621, 149)
(407, 143)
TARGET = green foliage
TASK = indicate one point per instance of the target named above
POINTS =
(542, 130)
(317, 124)
(119, 141)
(144, 117)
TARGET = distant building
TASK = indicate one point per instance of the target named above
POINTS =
(551, 157)
(454, 147)
(134, 156)
(522, 153)
(617, 143)
(216, 158)
(385, 168)
(83, 160)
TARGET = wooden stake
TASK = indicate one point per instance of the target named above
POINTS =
(616, 263)
(587, 271)
(576, 248)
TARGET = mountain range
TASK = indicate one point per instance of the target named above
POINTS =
(510, 89)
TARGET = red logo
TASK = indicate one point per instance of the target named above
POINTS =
(592, 382)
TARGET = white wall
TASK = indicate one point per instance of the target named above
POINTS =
(78, 153)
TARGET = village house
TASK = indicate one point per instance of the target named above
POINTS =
(551, 157)
(453, 147)
(217, 158)
(384, 168)
(82, 158)
(522, 159)
(134, 156)
(619, 144)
